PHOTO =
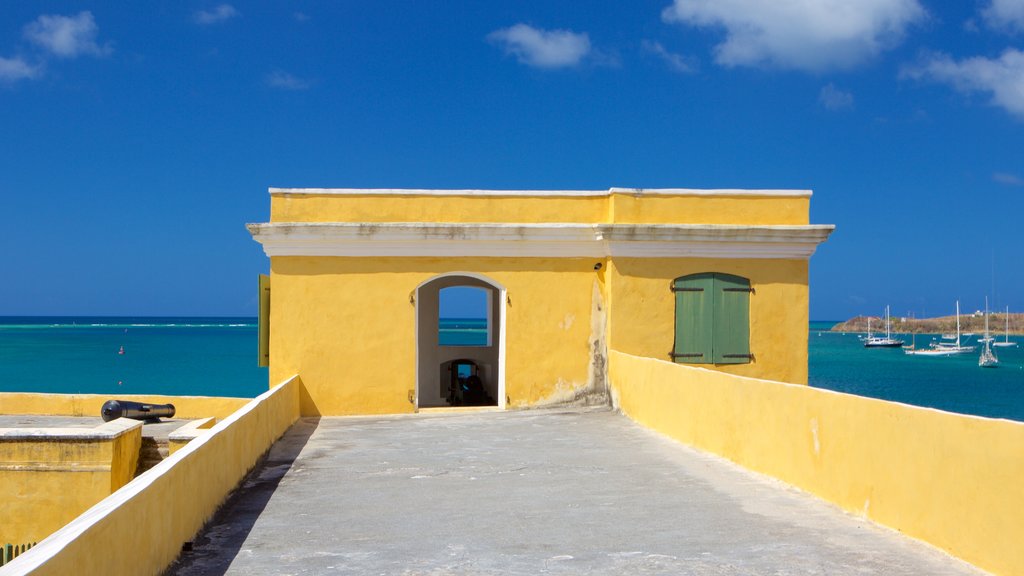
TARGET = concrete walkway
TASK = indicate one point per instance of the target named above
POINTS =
(536, 492)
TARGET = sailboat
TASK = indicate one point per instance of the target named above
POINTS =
(944, 348)
(878, 341)
(988, 358)
(1006, 342)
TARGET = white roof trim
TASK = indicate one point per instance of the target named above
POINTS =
(415, 239)
(540, 193)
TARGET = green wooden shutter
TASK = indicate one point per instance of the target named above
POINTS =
(694, 317)
(263, 358)
(731, 339)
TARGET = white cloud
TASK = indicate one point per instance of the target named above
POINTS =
(1005, 15)
(218, 14)
(676, 62)
(833, 98)
(543, 48)
(66, 36)
(13, 69)
(284, 80)
(1008, 179)
(300, 17)
(1002, 78)
(810, 35)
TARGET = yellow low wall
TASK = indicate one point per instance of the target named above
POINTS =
(49, 475)
(89, 404)
(182, 436)
(951, 480)
(140, 528)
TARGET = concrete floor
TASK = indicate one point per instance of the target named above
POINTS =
(534, 492)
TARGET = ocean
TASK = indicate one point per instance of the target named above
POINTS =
(177, 356)
(462, 332)
(840, 362)
(217, 357)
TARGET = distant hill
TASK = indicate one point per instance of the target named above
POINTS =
(942, 325)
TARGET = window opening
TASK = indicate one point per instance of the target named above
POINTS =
(464, 317)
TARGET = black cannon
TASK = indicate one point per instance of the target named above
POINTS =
(113, 409)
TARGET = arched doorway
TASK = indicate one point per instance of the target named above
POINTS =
(453, 353)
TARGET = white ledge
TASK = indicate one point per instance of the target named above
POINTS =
(416, 239)
(101, 433)
(538, 193)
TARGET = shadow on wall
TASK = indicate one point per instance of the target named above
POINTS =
(307, 406)
(217, 544)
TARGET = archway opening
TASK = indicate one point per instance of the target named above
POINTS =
(459, 343)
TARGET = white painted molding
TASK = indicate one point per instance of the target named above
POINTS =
(538, 193)
(414, 239)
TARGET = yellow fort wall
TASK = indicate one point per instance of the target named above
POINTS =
(342, 312)
(140, 528)
(347, 325)
(89, 404)
(694, 207)
(410, 208)
(643, 209)
(948, 479)
(50, 476)
(642, 317)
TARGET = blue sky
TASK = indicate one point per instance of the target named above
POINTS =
(136, 140)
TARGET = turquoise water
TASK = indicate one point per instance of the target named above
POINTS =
(181, 356)
(462, 332)
(955, 383)
(217, 357)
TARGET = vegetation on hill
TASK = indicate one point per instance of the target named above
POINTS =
(944, 325)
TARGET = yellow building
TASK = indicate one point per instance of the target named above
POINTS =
(716, 278)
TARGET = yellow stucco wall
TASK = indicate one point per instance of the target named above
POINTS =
(48, 478)
(619, 207)
(182, 436)
(89, 404)
(948, 479)
(408, 208)
(630, 209)
(174, 499)
(347, 325)
(642, 314)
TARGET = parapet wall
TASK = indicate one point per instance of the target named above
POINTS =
(51, 475)
(89, 404)
(622, 205)
(947, 479)
(140, 528)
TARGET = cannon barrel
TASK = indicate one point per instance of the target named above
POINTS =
(113, 409)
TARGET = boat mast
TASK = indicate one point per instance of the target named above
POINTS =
(957, 323)
(986, 320)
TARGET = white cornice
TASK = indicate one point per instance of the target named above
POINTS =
(538, 240)
(538, 193)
